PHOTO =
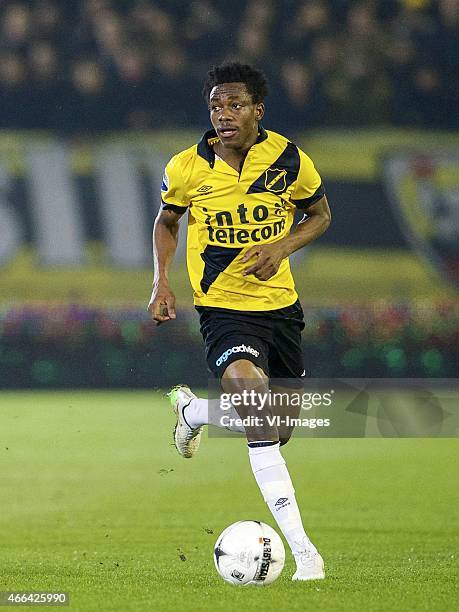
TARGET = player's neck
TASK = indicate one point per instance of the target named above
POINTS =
(235, 157)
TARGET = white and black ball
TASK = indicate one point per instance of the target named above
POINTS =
(249, 552)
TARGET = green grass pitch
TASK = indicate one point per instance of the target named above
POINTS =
(95, 501)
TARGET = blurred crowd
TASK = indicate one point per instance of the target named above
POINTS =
(88, 66)
(49, 346)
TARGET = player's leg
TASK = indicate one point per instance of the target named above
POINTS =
(227, 338)
(269, 467)
(273, 478)
(247, 383)
(280, 493)
(198, 411)
(194, 412)
(286, 406)
(187, 438)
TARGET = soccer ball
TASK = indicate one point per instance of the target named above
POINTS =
(249, 552)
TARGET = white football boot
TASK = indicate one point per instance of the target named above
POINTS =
(186, 438)
(309, 566)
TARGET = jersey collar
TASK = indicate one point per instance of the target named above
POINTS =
(206, 149)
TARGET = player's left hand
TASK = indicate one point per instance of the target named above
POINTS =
(269, 257)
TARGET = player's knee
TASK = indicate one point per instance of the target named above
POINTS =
(243, 374)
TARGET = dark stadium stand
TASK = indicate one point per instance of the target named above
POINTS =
(98, 65)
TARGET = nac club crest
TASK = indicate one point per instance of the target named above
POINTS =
(275, 180)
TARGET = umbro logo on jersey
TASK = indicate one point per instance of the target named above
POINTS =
(205, 188)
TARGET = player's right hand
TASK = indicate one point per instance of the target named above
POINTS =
(162, 303)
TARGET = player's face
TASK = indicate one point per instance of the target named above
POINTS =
(234, 116)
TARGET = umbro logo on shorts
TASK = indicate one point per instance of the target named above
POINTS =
(242, 348)
(205, 188)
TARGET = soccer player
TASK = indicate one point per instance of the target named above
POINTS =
(240, 187)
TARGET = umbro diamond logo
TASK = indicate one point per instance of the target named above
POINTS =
(205, 188)
(281, 501)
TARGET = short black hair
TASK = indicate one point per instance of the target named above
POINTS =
(234, 72)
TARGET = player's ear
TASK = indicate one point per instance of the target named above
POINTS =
(259, 111)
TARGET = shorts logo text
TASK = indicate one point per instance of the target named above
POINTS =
(242, 348)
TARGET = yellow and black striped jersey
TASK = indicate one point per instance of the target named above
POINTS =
(230, 211)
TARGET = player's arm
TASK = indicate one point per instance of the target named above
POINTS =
(269, 256)
(165, 235)
(316, 220)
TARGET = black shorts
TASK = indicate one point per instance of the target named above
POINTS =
(269, 339)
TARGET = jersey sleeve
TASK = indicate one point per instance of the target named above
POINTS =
(173, 191)
(309, 188)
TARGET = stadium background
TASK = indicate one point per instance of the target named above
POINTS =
(97, 95)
